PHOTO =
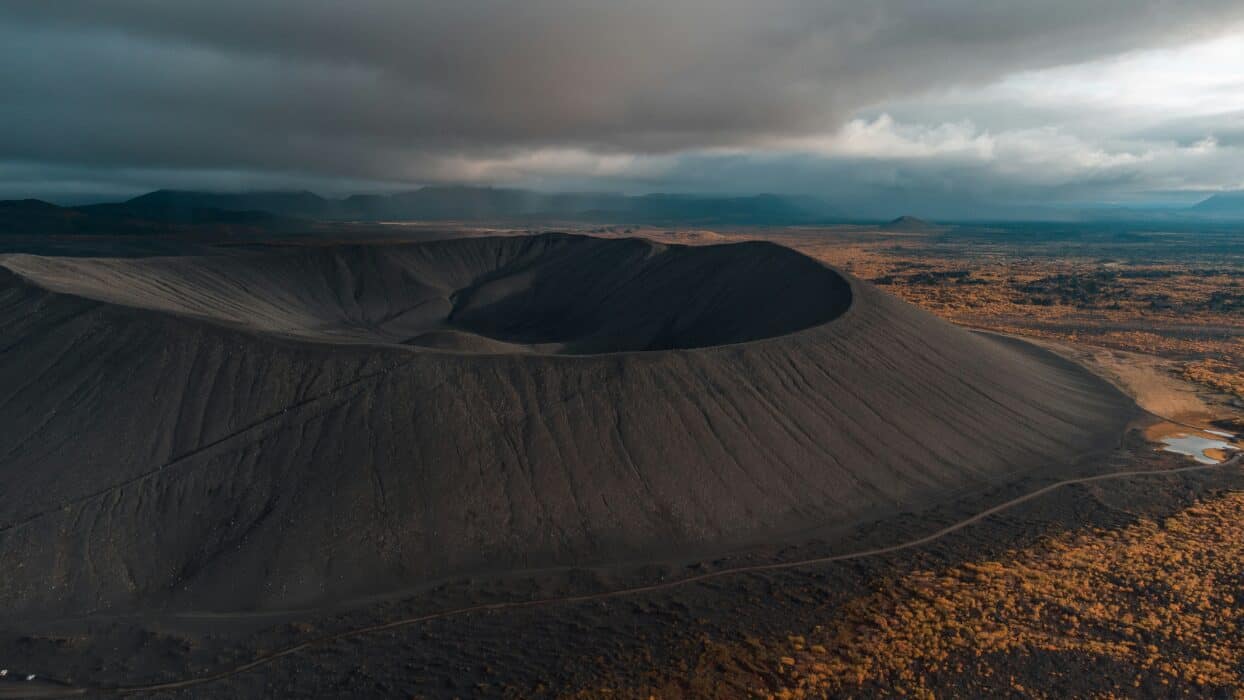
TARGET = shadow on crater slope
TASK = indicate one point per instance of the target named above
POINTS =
(264, 430)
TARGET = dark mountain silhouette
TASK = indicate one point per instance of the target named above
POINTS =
(474, 203)
(1227, 205)
(175, 204)
(462, 203)
(910, 223)
(34, 218)
(27, 205)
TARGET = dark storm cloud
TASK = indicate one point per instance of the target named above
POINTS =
(387, 90)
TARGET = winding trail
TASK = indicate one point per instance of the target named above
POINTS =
(619, 593)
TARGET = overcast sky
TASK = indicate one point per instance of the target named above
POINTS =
(929, 107)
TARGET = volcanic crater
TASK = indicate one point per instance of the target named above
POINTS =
(553, 294)
(304, 424)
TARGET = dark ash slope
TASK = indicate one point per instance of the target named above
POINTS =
(268, 431)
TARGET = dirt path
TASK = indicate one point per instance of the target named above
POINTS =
(13, 692)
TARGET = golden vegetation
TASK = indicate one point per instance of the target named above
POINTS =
(1161, 603)
(1191, 312)
(1162, 598)
(1223, 376)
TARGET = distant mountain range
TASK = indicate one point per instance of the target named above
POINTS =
(36, 217)
(487, 203)
(1223, 205)
(177, 210)
(215, 213)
